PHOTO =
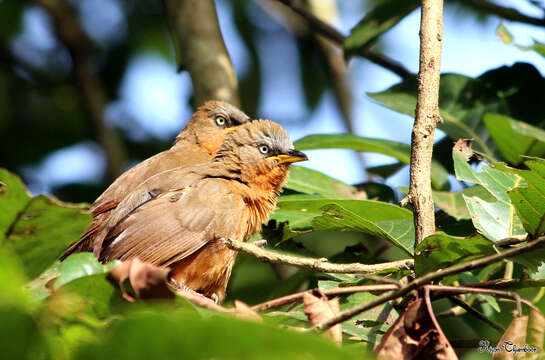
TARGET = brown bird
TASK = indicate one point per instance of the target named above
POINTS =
(178, 217)
(198, 142)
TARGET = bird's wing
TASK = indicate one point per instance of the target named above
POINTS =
(175, 224)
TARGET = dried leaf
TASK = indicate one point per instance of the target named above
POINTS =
(146, 280)
(464, 146)
(536, 329)
(515, 335)
(413, 336)
(318, 309)
(243, 311)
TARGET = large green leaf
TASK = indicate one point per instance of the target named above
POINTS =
(507, 38)
(529, 198)
(515, 139)
(453, 203)
(380, 219)
(182, 335)
(38, 228)
(80, 265)
(463, 101)
(441, 250)
(400, 151)
(377, 21)
(496, 220)
(312, 182)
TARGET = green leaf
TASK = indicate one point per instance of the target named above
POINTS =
(515, 139)
(179, 334)
(453, 203)
(80, 265)
(463, 101)
(440, 250)
(508, 38)
(313, 182)
(12, 280)
(21, 336)
(385, 171)
(400, 151)
(380, 219)
(529, 197)
(38, 228)
(496, 220)
(377, 21)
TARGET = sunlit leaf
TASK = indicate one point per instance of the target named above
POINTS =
(453, 203)
(515, 139)
(400, 151)
(440, 250)
(308, 181)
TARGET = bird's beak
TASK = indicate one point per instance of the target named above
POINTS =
(231, 128)
(291, 157)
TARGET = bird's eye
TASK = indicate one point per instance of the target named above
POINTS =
(221, 121)
(263, 149)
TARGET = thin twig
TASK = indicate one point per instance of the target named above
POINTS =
(314, 264)
(346, 290)
(511, 284)
(426, 279)
(470, 309)
(196, 298)
(427, 117)
(333, 34)
(504, 12)
(431, 314)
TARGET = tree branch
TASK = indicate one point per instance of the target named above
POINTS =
(201, 51)
(334, 35)
(427, 116)
(314, 264)
(504, 12)
(470, 309)
(91, 92)
(428, 278)
(346, 290)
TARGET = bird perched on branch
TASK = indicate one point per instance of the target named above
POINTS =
(177, 218)
(198, 142)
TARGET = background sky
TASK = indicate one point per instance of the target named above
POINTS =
(155, 97)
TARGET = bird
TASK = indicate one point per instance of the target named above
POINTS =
(198, 142)
(178, 218)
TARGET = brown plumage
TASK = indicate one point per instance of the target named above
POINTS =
(197, 143)
(176, 218)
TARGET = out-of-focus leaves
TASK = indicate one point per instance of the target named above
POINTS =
(319, 309)
(505, 36)
(176, 333)
(313, 182)
(376, 218)
(377, 21)
(385, 171)
(453, 203)
(414, 336)
(10, 18)
(529, 196)
(21, 339)
(378, 191)
(515, 139)
(463, 101)
(440, 250)
(515, 335)
(12, 280)
(496, 220)
(38, 228)
(400, 151)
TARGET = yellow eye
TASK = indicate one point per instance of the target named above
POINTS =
(220, 121)
(264, 149)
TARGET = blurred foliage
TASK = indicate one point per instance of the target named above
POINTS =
(70, 310)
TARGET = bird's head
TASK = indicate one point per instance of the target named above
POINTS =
(261, 151)
(211, 123)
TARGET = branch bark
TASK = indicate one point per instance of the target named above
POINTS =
(334, 35)
(428, 278)
(201, 51)
(427, 116)
(314, 264)
(91, 92)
